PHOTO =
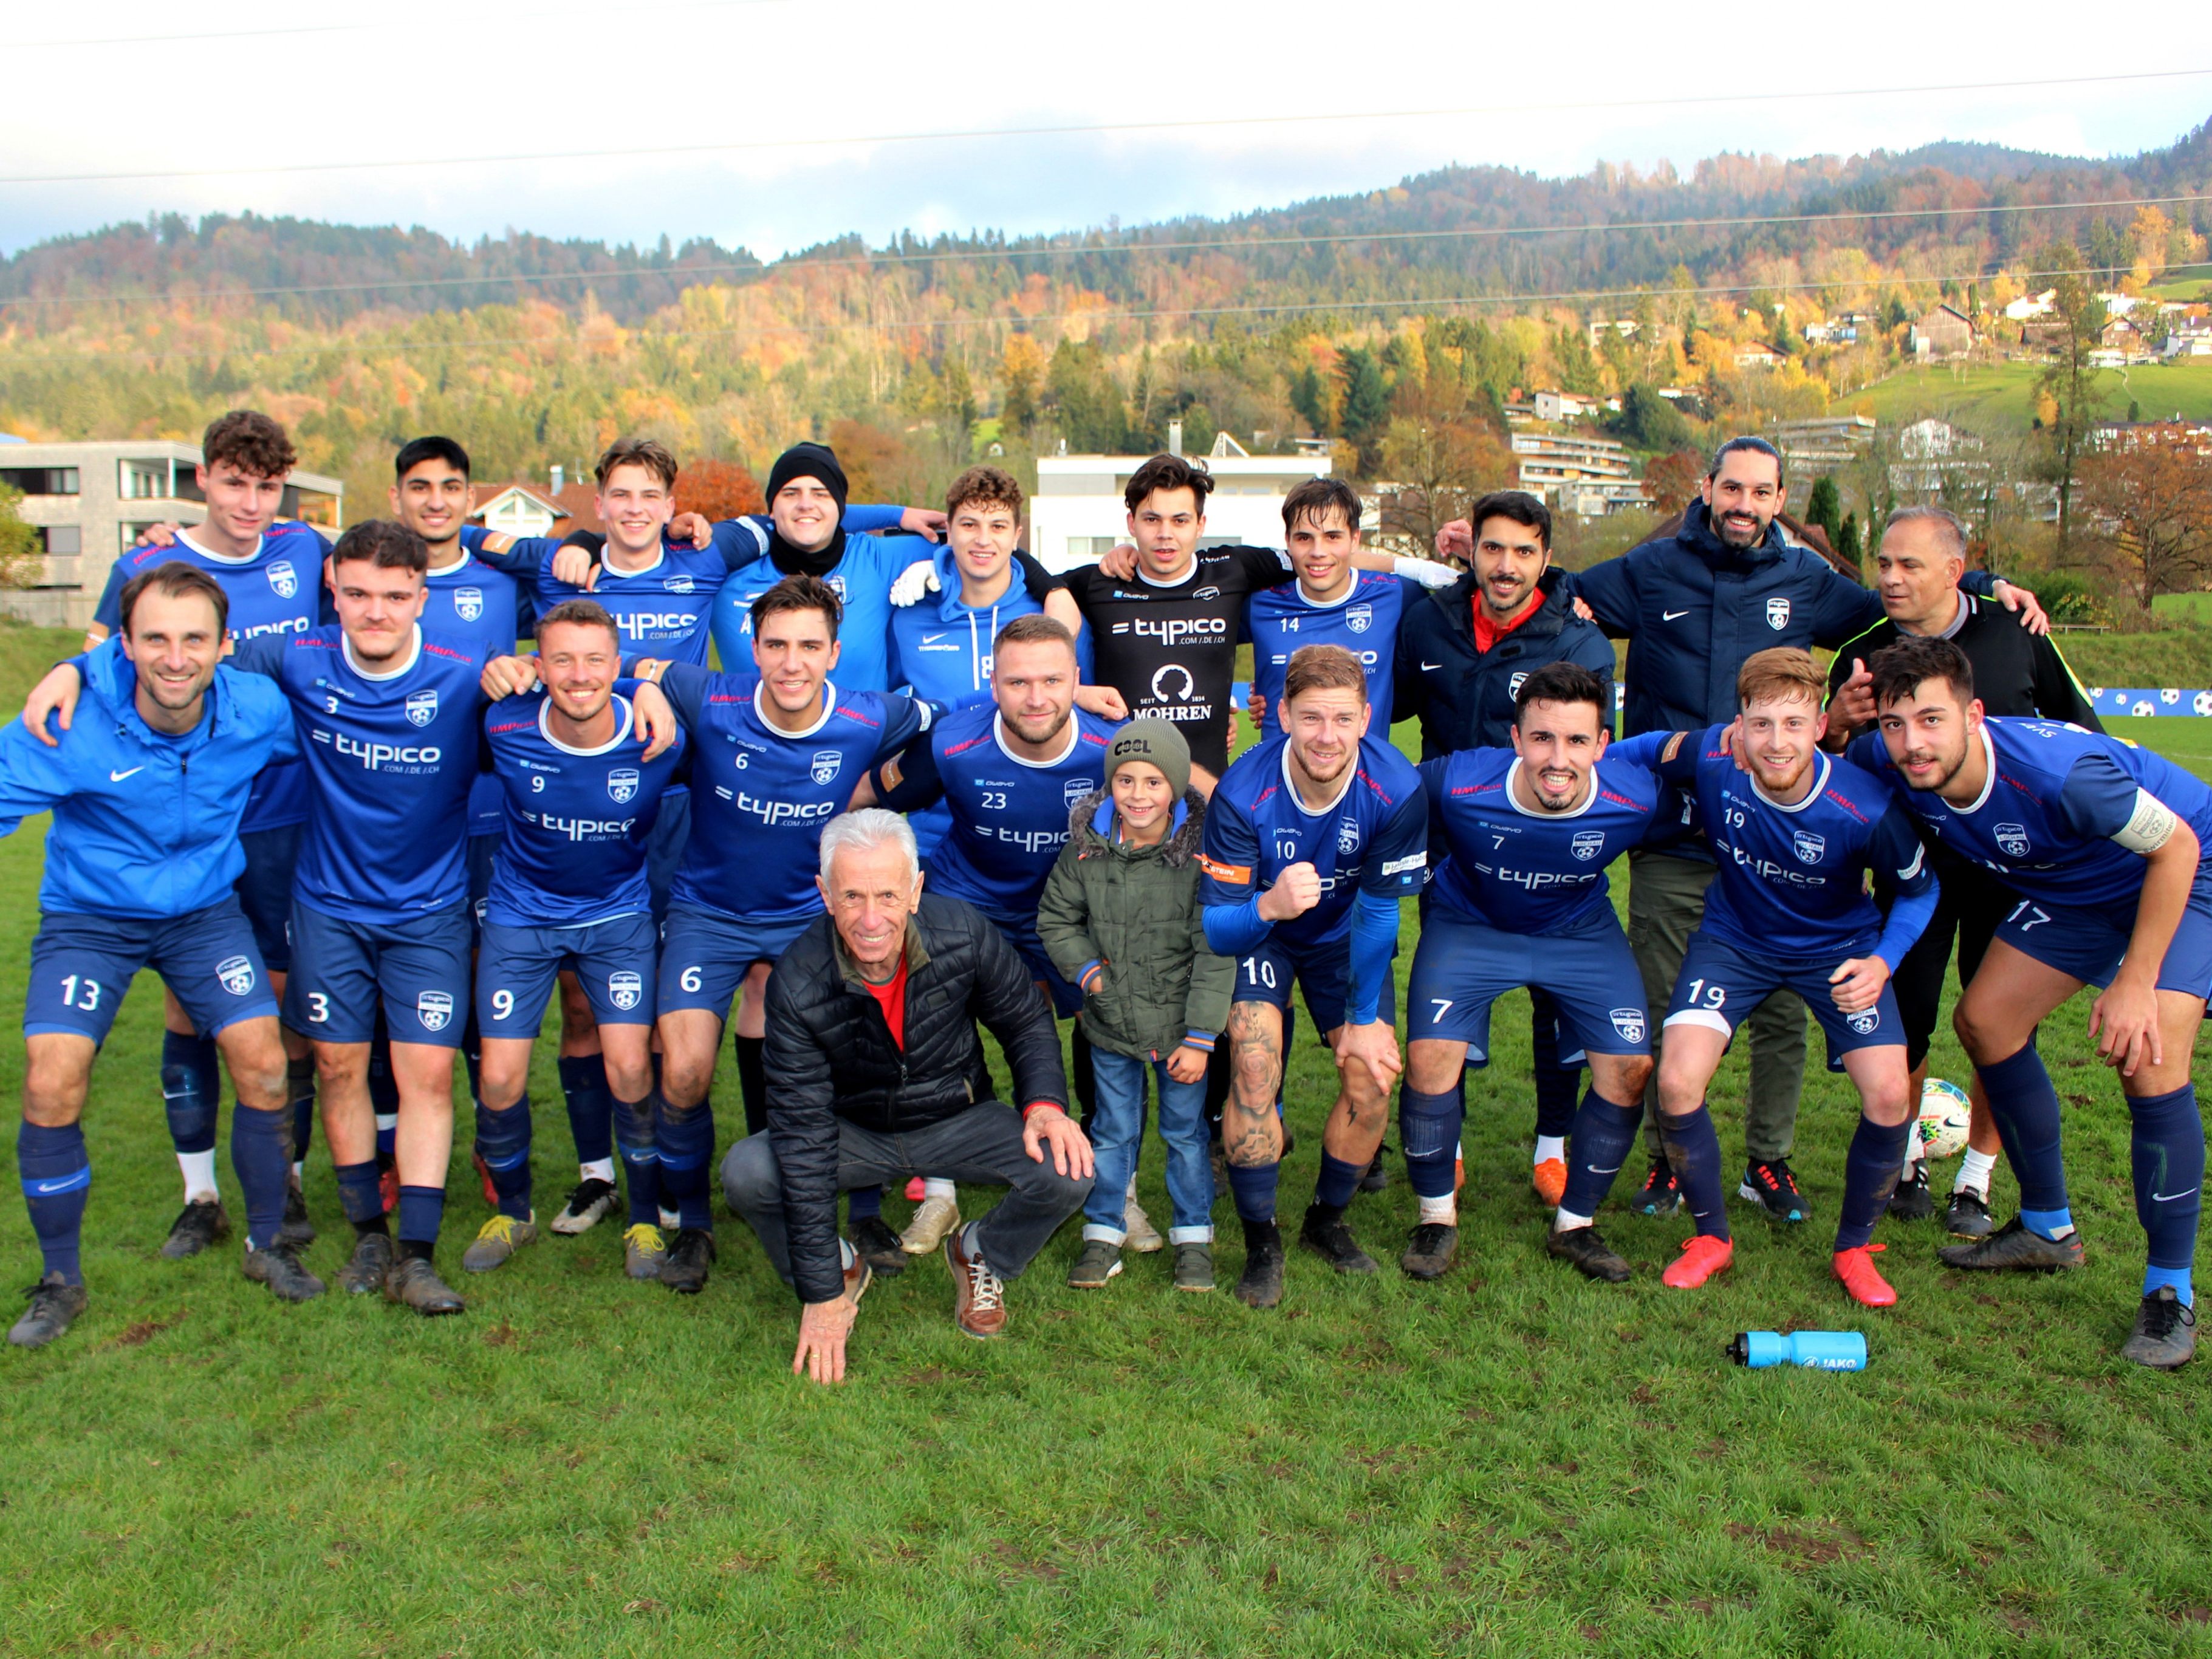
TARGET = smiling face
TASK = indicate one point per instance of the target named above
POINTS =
(432, 500)
(1165, 526)
(1779, 737)
(1034, 685)
(579, 663)
(794, 651)
(1743, 496)
(1143, 798)
(870, 892)
(377, 607)
(1916, 573)
(240, 505)
(1324, 725)
(806, 513)
(175, 642)
(1559, 745)
(1321, 546)
(982, 536)
(1929, 732)
(1509, 559)
(635, 507)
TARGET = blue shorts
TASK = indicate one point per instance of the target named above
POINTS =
(80, 966)
(1324, 973)
(1021, 933)
(1462, 966)
(614, 962)
(1719, 988)
(704, 956)
(2088, 945)
(265, 892)
(418, 968)
(482, 850)
(664, 846)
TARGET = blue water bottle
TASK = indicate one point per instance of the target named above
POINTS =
(1822, 1350)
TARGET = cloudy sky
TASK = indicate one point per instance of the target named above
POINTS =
(782, 123)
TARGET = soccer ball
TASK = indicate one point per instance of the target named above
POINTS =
(1943, 1115)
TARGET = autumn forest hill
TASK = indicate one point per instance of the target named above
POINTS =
(1333, 317)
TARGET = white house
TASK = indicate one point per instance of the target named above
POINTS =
(1077, 512)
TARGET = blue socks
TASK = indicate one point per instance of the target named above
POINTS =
(1428, 1129)
(1339, 1182)
(360, 1194)
(1602, 1136)
(2168, 1161)
(2025, 1108)
(56, 1177)
(421, 1213)
(641, 1162)
(1254, 1190)
(503, 1143)
(591, 1105)
(191, 1087)
(686, 1143)
(1694, 1152)
(261, 1152)
(1870, 1171)
(863, 1203)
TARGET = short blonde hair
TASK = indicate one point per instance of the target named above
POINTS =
(1779, 675)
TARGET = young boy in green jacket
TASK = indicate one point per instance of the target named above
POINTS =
(1121, 918)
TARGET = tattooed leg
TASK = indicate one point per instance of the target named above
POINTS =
(1251, 1134)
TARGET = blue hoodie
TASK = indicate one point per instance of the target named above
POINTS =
(145, 825)
(940, 646)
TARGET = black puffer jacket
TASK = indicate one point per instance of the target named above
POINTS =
(829, 1056)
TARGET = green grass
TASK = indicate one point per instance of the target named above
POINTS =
(1510, 1461)
(1998, 399)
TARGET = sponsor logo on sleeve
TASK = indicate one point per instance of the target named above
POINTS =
(1400, 866)
(1229, 873)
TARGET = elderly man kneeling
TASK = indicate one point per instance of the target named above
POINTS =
(875, 1073)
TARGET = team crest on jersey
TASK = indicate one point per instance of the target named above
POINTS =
(1629, 1022)
(1808, 847)
(1347, 834)
(468, 602)
(625, 990)
(1778, 613)
(1866, 1023)
(435, 1009)
(1587, 844)
(1359, 618)
(826, 764)
(677, 584)
(2012, 840)
(482, 906)
(836, 586)
(1513, 685)
(1073, 790)
(423, 706)
(283, 578)
(622, 783)
(235, 973)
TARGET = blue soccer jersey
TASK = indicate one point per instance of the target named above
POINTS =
(491, 610)
(760, 795)
(861, 578)
(1364, 621)
(662, 609)
(1792, 883)
(1521, 871)
(275, 590)
(2058, 800)
(1009, 816)
(392, 757)
(1372, 838)
(576, 820)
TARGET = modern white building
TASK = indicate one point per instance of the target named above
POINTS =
(1077, 512)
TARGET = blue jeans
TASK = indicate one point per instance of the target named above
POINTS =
(1118, 1128)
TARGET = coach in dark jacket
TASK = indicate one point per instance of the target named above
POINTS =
(875, 1073)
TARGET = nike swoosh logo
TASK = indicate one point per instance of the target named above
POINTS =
(931, 639)
(1428, 665)
(1669, 616)
(2168, 1197)
(44, 1188)
(117, 777)
(1615, 1169)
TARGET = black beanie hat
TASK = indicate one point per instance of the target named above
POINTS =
(815, 461)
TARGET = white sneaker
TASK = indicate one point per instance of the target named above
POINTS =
(1140, 1235)
(934, 1218)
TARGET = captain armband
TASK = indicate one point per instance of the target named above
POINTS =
(2149, 827)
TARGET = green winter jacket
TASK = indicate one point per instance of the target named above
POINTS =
(1127, 920)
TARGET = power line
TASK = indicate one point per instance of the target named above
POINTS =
(1197, 124)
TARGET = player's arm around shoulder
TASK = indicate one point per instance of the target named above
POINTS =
(264, 712)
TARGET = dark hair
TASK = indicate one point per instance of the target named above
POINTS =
(1518, 505)
(1168, 472)
(175, 579)
(1323, 668)
(250, 441)
(385, 543)
(416, 451)
(1035, 629)
(1741, 446)
(985, 486)
(1561, 682)
(1899, 669)
(799, 593)
(1316, 496)
(580, 613)
(638, 452)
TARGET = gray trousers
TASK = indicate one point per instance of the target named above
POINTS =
(1666, 897)
(981, 1146)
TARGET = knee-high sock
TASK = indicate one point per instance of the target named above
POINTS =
(1602, 1136)
(1081, 1077)
(261, 1154)
(591, 1106)
(2168, 1154)
(1337, 1182)
(191, 1091)
(1253, 1188)
(753, 1080)
(2025, 1108)
(300, 1091)
(1555, 1085)
(56, 1176)
(686, 1144)
(1428, 1131)
(360, 1192)
(503, 1143)
(1870, 1172)
(1693, 1151)
(641, 1162)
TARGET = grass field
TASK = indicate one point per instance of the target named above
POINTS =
(1998, 399)
(1510, 1461)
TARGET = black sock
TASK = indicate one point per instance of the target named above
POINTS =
(415, 1250)
(752, 1081)
(362, 1229)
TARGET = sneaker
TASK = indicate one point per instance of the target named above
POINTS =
(1430, 1250)
(1377, 1178)
(1194, 1267)
(858, 1278)
(196, 1226)
(1702, 1257)
(54, 1303)
(979, 1298)
(1332, 1240)
(1099, 1262)
(1863, 1279)
(1660, 1193)
(1588, 1255)
(1138, 1232)
(364, 1274)
(1968, 1215)
(588, 1202)
(1261, 1284)
(644, 1250)
(298, 1231)
(1913, 1200)
(2165, 1336)
(926, 1229)
(691, 1253)
(873, 1238)
(414, 1283)
(496, 1240)
(1549, 1178)
(278, 1267)
(1768, 1183)
(2014, 1247)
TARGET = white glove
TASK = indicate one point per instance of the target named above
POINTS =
(916, 580)
(1426, 572)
